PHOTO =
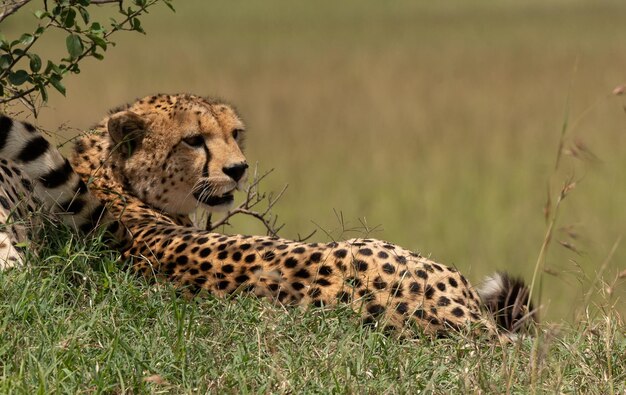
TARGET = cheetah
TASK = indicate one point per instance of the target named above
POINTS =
(155, 161)
(36, 179)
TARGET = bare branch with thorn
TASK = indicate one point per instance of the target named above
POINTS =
(253, 199)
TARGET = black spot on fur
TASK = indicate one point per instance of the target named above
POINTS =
(443, 301)
(325, 270)
(429, 292)
(57, 177)
(341, 253)
(5, 203)
(302, 273)
(401, 259)
(365, 251)
(396, 290)
(366, 295)
(389, 268)
(421, 274)
(414, 288)
(6, 124)
(360, 265)
(379, 283)
(353, 282)
(34, 149)
(316, 257)
(458, 312)
(344, 297)
(419, 313)
(268, 256)
(322, 281)
(402, 307)
(375, 309)
(291, 262)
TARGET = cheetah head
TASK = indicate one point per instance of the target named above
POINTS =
(178, 152)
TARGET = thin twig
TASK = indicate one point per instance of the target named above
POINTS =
(253, 198)
(105, 1)
(11, 9)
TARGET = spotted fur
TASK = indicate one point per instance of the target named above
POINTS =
(34, 177)
(155, 161)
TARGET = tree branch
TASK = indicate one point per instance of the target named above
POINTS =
(253, 198)
(12, 8)
(53, 22)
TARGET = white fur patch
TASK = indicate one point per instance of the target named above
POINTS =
(492, 285)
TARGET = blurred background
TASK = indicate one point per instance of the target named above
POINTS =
(434, 125)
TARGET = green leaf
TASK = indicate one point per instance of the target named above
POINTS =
(26, 39)
(73, 68)
(96, 28)
(55, 80)
(68, 17)
(44, 92)
(5, 61)
(74, 46)
(97, 55)
(84, 14)
(40, 14)
(35, 62)
(99, 41)
(18, 77)
(136, 24)
(169, 5)
(51, 67)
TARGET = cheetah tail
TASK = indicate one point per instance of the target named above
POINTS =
(506, 298)
(53, 180)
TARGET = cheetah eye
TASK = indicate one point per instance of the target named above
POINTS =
(194, 141)
(236, 133)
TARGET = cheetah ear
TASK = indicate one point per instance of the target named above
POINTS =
(127, 130)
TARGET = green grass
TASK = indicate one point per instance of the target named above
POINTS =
(438, 121)
(74, 322)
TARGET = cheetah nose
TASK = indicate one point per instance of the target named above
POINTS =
(235, 171)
